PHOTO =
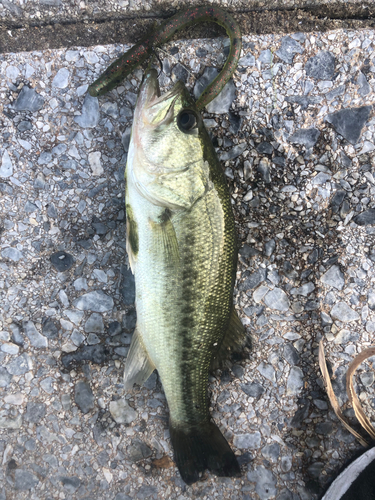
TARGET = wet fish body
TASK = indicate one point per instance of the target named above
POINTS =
(182, 249)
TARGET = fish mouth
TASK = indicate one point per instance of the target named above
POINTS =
(151, 103)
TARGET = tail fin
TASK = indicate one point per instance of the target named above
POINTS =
(199, 448)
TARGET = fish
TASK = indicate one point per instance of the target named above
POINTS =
(182, 247)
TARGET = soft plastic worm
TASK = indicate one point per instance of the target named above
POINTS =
(125, 64)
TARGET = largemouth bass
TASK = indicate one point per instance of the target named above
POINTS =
(182, 249)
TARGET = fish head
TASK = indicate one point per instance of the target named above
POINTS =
(166, 141)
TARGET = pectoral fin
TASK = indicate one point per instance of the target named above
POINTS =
(138, 366)
(165, 237)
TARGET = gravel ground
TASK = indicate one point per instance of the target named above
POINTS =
(56, 10)
(295, 133)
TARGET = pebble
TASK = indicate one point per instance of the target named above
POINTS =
(11, 254)
(264, 170)
(233, 153)
(288, 49)
(61, 80)
(271, 452)
(35, 412)
(307, 137)
(6, 169)
(24, 480)
(94, 324)
(28, 100)
(36, 338)
(247, 441)
(96, 301)
(19, 365)
(90, 113)
(342, 312)
(121, 412)
(83, 396)
(267, 371)
(265, 482)
(277, 299)
(365, 218)
(49, 329)
(349, 122)
(62, 261)
(5, 377)
(334, 277)
(295, 381)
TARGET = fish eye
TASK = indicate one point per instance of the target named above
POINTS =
(187, 120)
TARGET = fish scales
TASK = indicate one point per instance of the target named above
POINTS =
(183, 252)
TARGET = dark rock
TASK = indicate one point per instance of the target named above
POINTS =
(253, 280)
(129, 320)
(364, 87)
(84, 396)
(235, 122)
(324, 428)
(51, 211)
(127, 288)
(340, 90)
(288, 49)
(138, 450)
(180, 73)
(336, 200)
(35, 412)
(28, 100)
(24, 125)
(279, 160)
(304, 101)
(366, 218)
(321, 66)
(114, 328)
(269, 248)
(253, 389)
(265, 148)
(71, 484)
(301, 414)
(264, 168)
(62, 261)
(305, 136)
(201, 52)
(49, 329)
(97, 354)
(248, 252)
(291, 354)
(94, 324)
(222, 103)
(244, 459)
(349, 122)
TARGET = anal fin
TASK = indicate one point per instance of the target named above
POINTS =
(234, 341)
(138, 366)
